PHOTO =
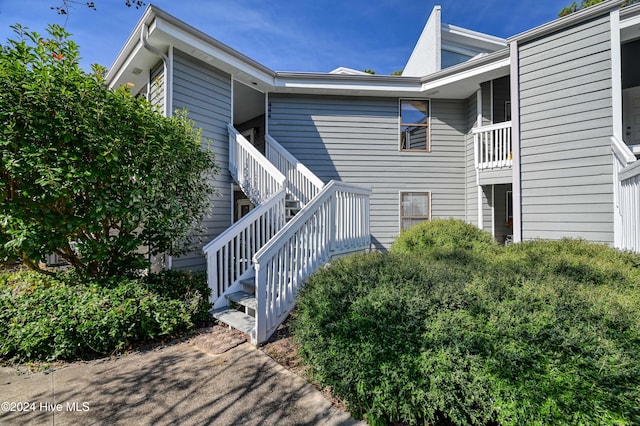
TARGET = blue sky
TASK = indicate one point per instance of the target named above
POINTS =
(287, 35)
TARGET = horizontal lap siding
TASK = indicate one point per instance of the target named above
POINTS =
(356, 141)
(206, 95)
(565, 126)
(156, 87)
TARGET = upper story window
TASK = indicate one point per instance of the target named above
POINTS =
(414, 125)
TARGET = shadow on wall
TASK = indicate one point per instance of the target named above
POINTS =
(356, 140)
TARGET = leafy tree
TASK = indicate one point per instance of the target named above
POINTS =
(368, 71)
(87, 172)
(574, 7)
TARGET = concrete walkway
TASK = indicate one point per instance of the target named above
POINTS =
(178, 384)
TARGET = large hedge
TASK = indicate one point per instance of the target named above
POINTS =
(89, 173)
(45, 318)
(537, 333)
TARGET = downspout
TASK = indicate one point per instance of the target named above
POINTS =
(167, 61)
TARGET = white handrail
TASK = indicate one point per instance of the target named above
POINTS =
(493, 146)
(257, 177)
(629, 172)
(622, 151)
(336, 221)
(229, 255)
(301, 182)
(491, 127)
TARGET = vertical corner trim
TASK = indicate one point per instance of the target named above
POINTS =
(515, 140)
(616, 74)
(616, 115)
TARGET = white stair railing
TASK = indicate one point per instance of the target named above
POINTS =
(629, 202)
(626, 197)
(257, 177)
(229, 255)
(492, 146)
(335, 222)
(301, 182)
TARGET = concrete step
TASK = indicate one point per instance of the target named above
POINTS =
(249, 285)
(236, 319)
(243, 298)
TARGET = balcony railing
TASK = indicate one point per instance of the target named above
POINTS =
(493, 148)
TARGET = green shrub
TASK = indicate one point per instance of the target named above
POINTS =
(91, 173)
(444, 239)
(538, 333)
(49, 318)
(190, 288)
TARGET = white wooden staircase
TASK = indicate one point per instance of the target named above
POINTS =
(257, 265)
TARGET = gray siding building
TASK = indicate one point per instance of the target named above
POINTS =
(529, 139)
(356, 141)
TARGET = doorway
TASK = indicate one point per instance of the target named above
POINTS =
(631, 118)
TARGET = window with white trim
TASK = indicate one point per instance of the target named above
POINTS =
(414, 125)
(415, 207)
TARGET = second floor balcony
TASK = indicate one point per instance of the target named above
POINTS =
(493, 148)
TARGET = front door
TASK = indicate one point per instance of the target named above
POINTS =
(631, 118)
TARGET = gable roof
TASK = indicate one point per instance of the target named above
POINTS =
(166, 32)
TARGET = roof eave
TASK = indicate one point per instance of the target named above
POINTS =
(306, 82)
(467, 66)
(472, 72)
(194, 32)
(131, 45)
(161, 22)
(484, 38)
(567, 21)
(156, 18)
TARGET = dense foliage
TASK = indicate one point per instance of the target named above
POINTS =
(574, 7)
(445, 238)
(87, 172)
(45, 318)
(535, 333)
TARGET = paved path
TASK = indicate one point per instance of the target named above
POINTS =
(177, 384)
